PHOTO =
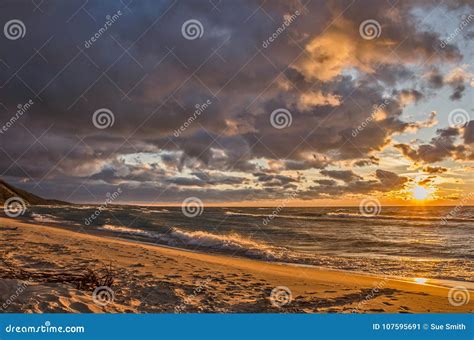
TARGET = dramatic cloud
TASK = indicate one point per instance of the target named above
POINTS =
(343, 175)
(385, 181)
(441, 147)
(195, 116)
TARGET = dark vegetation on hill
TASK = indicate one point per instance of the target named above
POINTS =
(7, 191)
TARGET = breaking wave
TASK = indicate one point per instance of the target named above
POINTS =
(232, 244)
(45, 218)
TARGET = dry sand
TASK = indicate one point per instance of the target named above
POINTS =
(156, 279)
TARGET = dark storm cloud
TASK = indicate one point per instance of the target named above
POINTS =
(435, 79)
(441, 147)
(390, 179)
(372, 160)
(468, 134)
(153, 79)
(118, 172)
(457, 84)
(274, 180)
(203, 179)
(385, 181)
(456, 81)
(326, 182)
(343, 175)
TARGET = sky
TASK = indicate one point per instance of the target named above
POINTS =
(239, 102)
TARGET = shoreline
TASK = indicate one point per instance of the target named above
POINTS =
(155, 278)
(446, 283)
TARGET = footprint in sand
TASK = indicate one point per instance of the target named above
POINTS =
(172, 276)
(137, 265)
(80, 307)
(377, 310)
(404, 310)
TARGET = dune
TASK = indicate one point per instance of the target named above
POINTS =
(41, 268)
(8, 191)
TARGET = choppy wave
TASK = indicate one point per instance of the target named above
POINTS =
(120, 229)
(230, 244)
(45, 218)
(337, 215)
(293, 217)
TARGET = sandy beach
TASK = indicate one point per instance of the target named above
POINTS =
(155, 279)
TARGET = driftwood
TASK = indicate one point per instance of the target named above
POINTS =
(8, 228)
(83, 278)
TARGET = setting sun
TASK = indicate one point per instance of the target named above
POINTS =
(420, 193)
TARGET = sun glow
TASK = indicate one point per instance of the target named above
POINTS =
(421, 193)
